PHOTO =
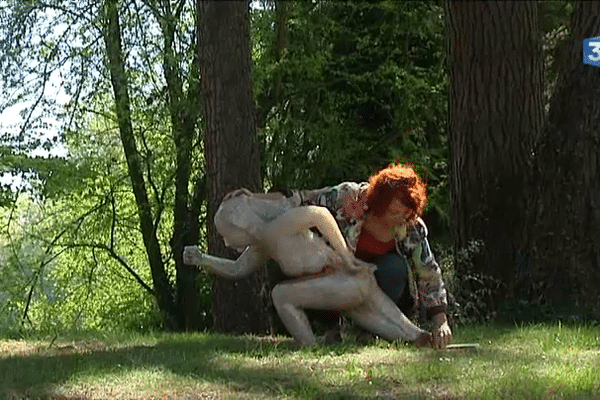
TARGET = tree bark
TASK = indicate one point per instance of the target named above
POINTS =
(566, 224)
(116, 66)
(232, 152)
(496, 114)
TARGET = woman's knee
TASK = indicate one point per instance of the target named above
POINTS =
(393, 266)
(392, 274)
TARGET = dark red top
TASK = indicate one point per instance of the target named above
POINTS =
(369, 248)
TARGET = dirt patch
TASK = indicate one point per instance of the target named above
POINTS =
(10, 348)
(17, 347)
(102, 395)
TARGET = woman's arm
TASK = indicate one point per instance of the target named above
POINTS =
(246, 192)
(346, 200)
(431, 286)
(432, 290)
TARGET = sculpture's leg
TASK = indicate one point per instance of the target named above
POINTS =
(381, 316)
(248, 262)
(325, 292)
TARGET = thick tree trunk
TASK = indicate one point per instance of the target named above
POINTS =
(112, 39)
(232, 152)
(566, 226)
(496, 113)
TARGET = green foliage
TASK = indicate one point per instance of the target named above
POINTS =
(92, 270)
(46, 56)
(353, 87)
(54, 279)
(356, 86)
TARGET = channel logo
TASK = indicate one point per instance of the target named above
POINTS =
(591, 51)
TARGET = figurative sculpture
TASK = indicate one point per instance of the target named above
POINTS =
(325, 274)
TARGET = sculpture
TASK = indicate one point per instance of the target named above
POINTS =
(327, 275)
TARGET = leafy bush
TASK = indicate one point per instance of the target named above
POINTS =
(471, 294)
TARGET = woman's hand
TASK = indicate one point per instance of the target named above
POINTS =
(237, 192)
(354, 207)
(442, 335)
(354, 265)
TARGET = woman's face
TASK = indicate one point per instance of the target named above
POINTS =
(397, 213)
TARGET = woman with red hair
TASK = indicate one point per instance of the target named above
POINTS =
(381, 222)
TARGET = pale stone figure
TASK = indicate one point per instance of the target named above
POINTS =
(327, 275)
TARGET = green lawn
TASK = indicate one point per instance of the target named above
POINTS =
(526, 362)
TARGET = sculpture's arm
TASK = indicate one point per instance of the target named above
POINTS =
(300, 219)
(248, 262)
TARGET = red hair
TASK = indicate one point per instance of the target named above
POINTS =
(397, 181)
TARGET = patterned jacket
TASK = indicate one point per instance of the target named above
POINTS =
(411, 241)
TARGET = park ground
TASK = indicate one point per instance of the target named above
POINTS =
(533, 361)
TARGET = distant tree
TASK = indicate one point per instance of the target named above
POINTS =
(190, 192)
(232, 151)
(118, 76)
(496, 115)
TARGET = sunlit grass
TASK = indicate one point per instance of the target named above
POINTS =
(522, 362)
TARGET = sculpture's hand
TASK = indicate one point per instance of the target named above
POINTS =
(237, 192)
(354, 265)
(442, 335)
(191, 255)
(425, 339)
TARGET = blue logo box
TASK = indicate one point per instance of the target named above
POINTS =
(591, 51)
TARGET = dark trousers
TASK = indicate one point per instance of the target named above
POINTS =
(392, 277)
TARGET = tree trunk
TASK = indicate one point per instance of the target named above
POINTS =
(496, 113)
(566, 180)
(162, 286)
(232, 152)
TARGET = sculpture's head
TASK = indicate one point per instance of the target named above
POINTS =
(239, 220)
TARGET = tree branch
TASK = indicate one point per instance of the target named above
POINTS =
(118, 258)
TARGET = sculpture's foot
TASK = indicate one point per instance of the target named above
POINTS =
(333, 336)
(424, 339)
(304, 345)
(364, 337)
(192, 256)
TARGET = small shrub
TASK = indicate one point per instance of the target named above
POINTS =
(470, 293)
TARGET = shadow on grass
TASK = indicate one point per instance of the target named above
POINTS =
(206, 359)
(248, 366)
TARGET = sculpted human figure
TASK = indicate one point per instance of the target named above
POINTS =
(327, 275)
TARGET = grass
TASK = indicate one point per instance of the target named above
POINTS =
(515, 362)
